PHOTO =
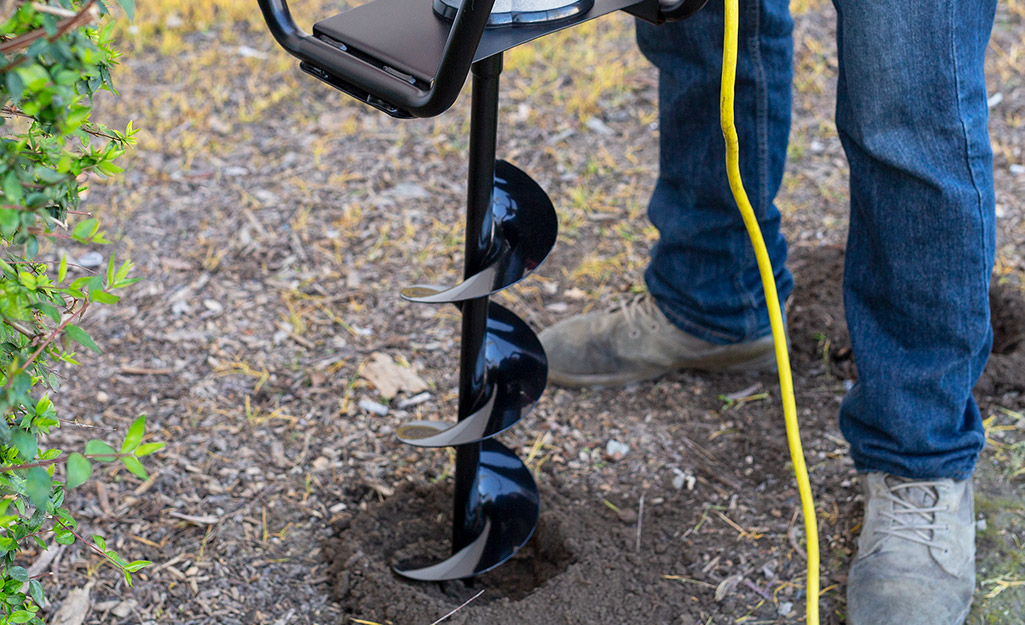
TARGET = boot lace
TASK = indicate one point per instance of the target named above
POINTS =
(914, 511)
(640, 313)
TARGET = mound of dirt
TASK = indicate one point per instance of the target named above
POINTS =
(587, 564)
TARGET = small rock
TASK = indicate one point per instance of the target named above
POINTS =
(981, 525)
(268, 198)
(180, 307)
(682, 479)
(414, 400)
(1017, 169)
(627, 516)
(784, 608)
(373, 407)
(321, 464)
(102, 397)
(599, 127)
(236, 170)
(251, 53)
(616, 450)
(213, 305)
(90, 259)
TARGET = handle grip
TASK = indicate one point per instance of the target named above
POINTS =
(371, 82)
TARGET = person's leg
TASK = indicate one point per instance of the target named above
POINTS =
(706, 306)
(703, 272)
(912, 116)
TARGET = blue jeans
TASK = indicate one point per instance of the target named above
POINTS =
(912, 118)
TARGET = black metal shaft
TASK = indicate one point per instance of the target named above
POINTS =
(467, 524)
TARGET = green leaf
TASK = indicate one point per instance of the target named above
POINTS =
(38, 486)
(21, 616)
(80, 335)
(26, 443)
(129, 7)
(102, 297)
(49, 310)
(79, 470)
(136, 565)
(35, 590)
(18, 573)
(134, 435)
(9, 219)
(100, 451)
(148, 448)
(100, 542)
(85, 229)
(132, 464)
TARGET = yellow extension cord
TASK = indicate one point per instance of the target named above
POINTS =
(786, 382)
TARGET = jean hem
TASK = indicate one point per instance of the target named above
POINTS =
(958, 474)
(704, 333)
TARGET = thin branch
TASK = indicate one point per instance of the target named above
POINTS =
(58, 11)
(55, 235)
(84, 16)
(465, 603)
(50, 339)
(61, 460)
(20, 327)
(90, 545)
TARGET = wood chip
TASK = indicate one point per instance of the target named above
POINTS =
(388, 377)
(75, 608)
(207, 519)
(130, 370)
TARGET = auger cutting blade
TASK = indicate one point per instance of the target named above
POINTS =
(508, 509)
(517, 371)
(524, 231)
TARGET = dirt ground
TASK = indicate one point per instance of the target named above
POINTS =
(274, 222)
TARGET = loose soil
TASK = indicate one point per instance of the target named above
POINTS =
(590, 562)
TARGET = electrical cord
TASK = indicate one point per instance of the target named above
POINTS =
(786, 382)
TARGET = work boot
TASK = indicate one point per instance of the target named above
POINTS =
(916, 554)
(635, 341)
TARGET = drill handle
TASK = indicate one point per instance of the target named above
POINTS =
(360, 76)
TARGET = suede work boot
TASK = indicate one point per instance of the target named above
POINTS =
(635, 341)
(916, 554)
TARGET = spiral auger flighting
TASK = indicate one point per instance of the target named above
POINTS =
(510, 228)
(410, 58)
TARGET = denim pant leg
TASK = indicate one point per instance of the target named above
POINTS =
(703, 272)
(912, 116)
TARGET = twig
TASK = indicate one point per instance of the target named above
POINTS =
(49, 339)
(61, 460)
(465, 603)
(640, 521)
(90, 545)
(793, 539)
(54, 235)
(130, 370)
(85, 15)
(58, 11)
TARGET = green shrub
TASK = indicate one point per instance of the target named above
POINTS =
(54, 57)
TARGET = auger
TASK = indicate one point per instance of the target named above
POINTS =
(410, 58)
